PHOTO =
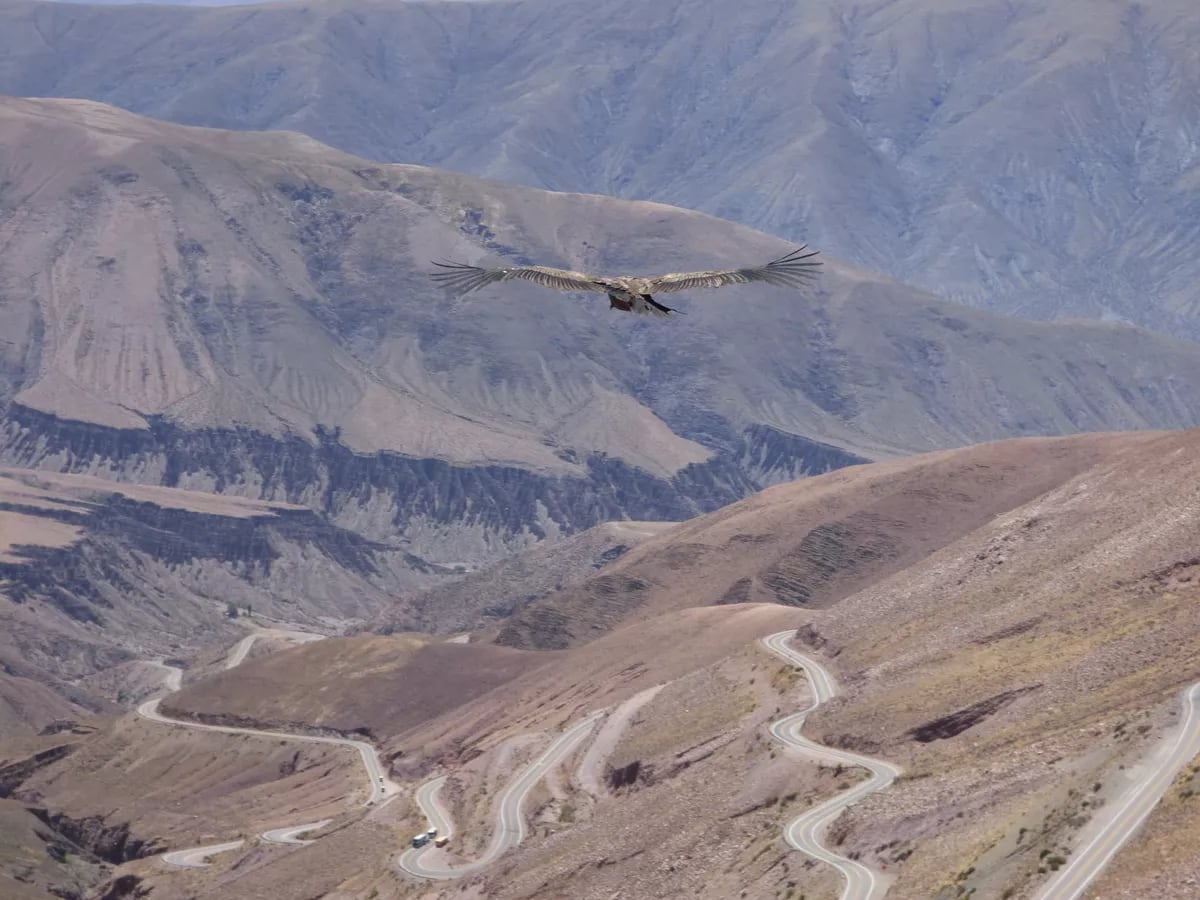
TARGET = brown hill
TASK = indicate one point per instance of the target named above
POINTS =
(394, 687)
(812, 542)
(28, 705)
(1015, 669)
(1015, 663)
(290, 346)
(373, 685)
(494, 593)
(123, 791)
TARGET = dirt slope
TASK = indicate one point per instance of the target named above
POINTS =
(38, 863)
(1016, 667)
(812, 542)
(374, 685)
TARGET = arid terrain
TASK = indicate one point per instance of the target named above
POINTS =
(888, 583)
(379, 686)
(1035, 159)
(1011, 624)
(282, 342)
(494, 593)
(302, 426)
(251, 313)
(38, 860)
(98, 577)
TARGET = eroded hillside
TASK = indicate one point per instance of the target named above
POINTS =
(1017, 651)
(1036, 159)
(251, 313)
(96, 578)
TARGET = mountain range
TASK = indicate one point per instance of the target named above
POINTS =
(251, 313)
(1037, 160)
(233, 405)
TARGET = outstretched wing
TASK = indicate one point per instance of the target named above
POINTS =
(462, 278)
(793, 270)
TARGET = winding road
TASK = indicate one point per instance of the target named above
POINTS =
(804, 832)
(196, 857)
(510, 820)
(1113, 829)
(291, 835)
(1103, 840)
(431, 806)
(381, 787)
(173, 675)
(237, 655)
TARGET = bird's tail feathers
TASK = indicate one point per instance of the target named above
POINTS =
(659, 309)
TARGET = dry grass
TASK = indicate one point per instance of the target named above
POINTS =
(812, 542)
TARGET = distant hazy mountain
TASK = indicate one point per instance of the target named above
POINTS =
(1040, 159)
(159, 2)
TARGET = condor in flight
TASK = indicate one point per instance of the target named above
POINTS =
(633, 293)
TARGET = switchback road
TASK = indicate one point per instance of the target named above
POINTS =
(292, 835)
(804, 832)
(510, 821)
(196, 856)
(381, 788)
(431, 806)
(237, 655)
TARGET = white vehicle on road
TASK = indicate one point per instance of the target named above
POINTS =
(510, 817)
